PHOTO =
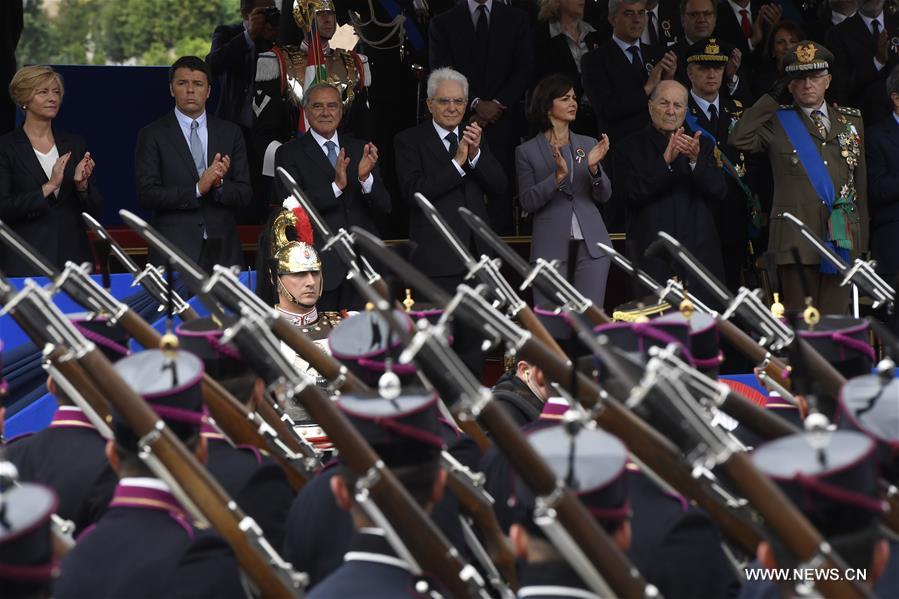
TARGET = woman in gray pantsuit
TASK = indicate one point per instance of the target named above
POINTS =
(560, 182)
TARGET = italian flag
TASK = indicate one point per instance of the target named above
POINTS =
(316, 71)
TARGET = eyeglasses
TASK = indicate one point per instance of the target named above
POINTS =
(444, 102)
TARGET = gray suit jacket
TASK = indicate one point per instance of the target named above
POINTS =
(551, 207)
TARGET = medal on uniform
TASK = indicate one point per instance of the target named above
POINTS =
(666, 27)
(894, 45)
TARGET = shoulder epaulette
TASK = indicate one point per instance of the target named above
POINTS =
(849, 111)
(267, 67)
(333, 318)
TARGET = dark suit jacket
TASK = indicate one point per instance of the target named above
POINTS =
(509, 58)
(615, 88)
(304, 159)
(53, 225)
(675, 200)
(233, 62)
(728, 28)
(424, 165)
(669, 26)
(882, 152)
(856, 81)
(166, 184)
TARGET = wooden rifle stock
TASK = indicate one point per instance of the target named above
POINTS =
(596, 316)
(80, 379)
(221, 511)
(650, 447)
(755, 418)
(530, 321)
(416, 530)
(750, 348)
(235, 420)
(471, 428)
(475, 506)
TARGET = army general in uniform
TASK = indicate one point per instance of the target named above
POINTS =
(818, 163)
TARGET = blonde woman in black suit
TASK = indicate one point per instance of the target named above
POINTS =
(46, 177)
(561, 182)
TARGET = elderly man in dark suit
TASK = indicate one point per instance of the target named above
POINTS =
(489, 43)
(191, 171)
(342, 179)
(882, 152)
(669, 181)
(450, 164)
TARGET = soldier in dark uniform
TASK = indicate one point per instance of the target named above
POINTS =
(253, 480)
(833, 479)
(404, 431)
(68, 456)
(27, 563)
(317, 545)
(592, 465)
(138, 546)
(817, 158)
(714, 114)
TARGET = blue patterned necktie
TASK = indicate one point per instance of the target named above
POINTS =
(196, 148)
(332, 152)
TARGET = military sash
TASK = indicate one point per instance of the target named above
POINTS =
(755, 208)
(838, 237)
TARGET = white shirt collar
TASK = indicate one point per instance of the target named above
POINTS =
(896, 118)
(146, 482)
(624, 45)
(868, 20)
(737, 8)
(837, 17)
(443, 132)
(321, 140)
(185, 120)
(704, 104)
(823, 108)
(555, 28)
(473, 7)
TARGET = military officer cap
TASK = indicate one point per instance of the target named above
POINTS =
(870, 404)
(558, 324)
(843, 341)
(704, 346)
(203, 338)
(26, 542)
(404, 430)
(171, 383)
(832, 478)
(636, 338)
(364, 343)
(805, 58)
(709, 52)
(591, 463)
(111, 339)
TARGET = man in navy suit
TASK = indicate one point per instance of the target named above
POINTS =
(341, 177)
(191, 171)
(882, 152)
(489, 43)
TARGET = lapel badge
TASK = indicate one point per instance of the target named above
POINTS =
(579, 155)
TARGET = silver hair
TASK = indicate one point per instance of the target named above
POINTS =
(319, 85)
(446, 74)
(614, 5)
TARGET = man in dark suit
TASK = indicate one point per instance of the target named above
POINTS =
(191, 171)
(882, 152)
(489, 43)
(744, 24)
(452, 167)
(663, 26)
(619, 75)
(342, 179)
(669, 180)
(232, 60)
(864, 53)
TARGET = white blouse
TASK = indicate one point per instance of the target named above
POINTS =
(47, 161)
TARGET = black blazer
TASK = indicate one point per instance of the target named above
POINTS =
(882, 154)
(509, 58)
(233, 63)
(424, 165)
(728, 28)
(615, 88)
(166, 184)
(304, 159)
(53, 225)
(856, 81)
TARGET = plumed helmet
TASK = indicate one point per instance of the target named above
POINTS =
(293, 255)
(304, 11)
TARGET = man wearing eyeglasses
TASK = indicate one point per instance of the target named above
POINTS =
(451, 165)
(817, 158)
(341, 177)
